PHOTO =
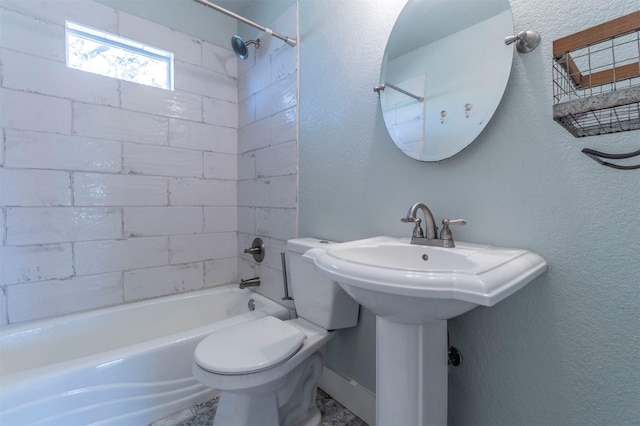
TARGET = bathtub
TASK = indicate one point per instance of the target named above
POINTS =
(124, 365)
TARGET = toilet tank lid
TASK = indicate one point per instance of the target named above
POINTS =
(301, 245)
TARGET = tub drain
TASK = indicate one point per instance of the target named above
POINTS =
(251, 304)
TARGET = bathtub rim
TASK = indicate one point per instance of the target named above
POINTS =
(17, 380)
(7, 329)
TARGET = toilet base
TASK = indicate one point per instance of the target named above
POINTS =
(313, 418)
(288, 402)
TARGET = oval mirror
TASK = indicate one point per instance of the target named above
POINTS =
(444, 72)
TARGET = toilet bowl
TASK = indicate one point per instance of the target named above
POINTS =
(268, 369)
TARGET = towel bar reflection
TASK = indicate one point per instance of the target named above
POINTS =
(383, 86)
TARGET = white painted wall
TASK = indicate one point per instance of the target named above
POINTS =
(110, 191)
(564, 350)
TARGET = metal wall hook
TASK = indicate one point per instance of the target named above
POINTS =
(525, 41)
(597, 155)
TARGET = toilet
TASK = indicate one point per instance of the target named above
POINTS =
(267, 369)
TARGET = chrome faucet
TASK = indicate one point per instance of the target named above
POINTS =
(431, 239)
(251, 282)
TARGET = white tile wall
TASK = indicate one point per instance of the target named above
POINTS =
(38, 150)
(284, 126)
(277, 97)
(216, 111)
(254, 135)
(160, 101)
(200, 247)
(4, 319)
(283, 191)
(246, 222)
(50, 77)
(153, 221)
(35, 188)
(246, 166)
(220, 166)
(277, 223)
(62, 224)
(26, 33)
(90, 13)
(57, 297)
(161, 161)
(30, 111)
(2, 137)
(277, 160)
(94, 189)
(119, 124)
(267, 147)
(96, 257)
(111, 191)
(253, 193)
(219, 59)
(206, 82)
(220, 219)
(35, 263)
(143, 283)
(220, 272)
(204, 137)
(186, 48)
(202, 192)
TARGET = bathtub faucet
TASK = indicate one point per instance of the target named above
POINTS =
(251, 282)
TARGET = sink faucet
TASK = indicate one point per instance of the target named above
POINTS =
(251, 282)
(431, 239)
(432, 229)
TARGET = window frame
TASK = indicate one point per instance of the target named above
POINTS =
(119, 42)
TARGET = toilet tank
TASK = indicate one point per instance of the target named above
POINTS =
(317, 298)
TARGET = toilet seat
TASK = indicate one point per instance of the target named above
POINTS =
(249, 347)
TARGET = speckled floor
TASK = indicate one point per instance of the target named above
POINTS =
(333, 414)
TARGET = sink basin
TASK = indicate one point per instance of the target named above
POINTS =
(414, 290)
(415, 284)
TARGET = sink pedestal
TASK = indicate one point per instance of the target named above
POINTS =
(411, 373)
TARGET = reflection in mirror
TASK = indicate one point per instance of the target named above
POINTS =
(452, 54)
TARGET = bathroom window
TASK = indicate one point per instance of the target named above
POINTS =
(110, 55)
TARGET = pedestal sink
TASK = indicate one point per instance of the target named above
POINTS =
(414, 290)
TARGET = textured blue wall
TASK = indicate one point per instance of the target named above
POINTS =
(564, 350)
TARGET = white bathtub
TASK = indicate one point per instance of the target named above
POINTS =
(125, 365)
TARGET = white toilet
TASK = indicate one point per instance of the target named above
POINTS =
(268, 369)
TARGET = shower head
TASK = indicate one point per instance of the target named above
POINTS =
(240, 47)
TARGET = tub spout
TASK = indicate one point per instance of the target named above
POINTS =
(251, 282)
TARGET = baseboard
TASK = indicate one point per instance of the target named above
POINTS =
(353, 396)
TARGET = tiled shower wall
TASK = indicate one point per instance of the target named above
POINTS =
(268, 152)
(111, 191)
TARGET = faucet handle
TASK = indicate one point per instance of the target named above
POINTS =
(446, 234)
(447, 222)
(409, 219)
(417, 230)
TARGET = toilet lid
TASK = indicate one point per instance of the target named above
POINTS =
(248, 347)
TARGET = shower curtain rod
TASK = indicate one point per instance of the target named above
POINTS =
(290, 41)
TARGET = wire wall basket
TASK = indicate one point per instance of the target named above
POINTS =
(596, 78)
